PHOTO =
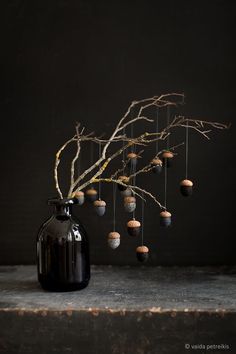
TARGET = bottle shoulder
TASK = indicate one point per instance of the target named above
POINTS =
(62, 228)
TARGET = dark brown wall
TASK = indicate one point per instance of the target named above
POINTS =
(64, 61)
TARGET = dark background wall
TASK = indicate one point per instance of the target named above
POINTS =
(64, 61)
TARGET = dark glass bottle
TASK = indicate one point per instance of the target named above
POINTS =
(63, 250)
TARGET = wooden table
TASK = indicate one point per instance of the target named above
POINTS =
(143, 310)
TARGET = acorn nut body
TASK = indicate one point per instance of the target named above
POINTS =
(113, 239)
(129, 204)
(79, 196)
(165, 218)
(156, 165)
(127, 192)
(133, 227)
(142, 253)
(167, 158)
(91, 194)
(100, 207)
(186, 187)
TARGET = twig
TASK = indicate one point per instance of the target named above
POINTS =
(157, 100)
(75, 158)
(172, 99)
(134, 189)
(57, 162)
(149, 167)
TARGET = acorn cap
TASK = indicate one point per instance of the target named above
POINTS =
(133, 223)
(165, 214)
(79, 194)
(186, 183)
(124, 179)
(167, 155)
(99, 203)
(156, 161)
(91, 191)
(113, 235)
(129, 199)
(132, 155)
(142, 249)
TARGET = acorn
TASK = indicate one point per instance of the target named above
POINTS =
(133, 159)
(125, 180)
(133, 227)
(186, 187)
(113, 239)
(142, 253)
(100, 207)
(165, 218)
(79, 197)
(167, 157)
(91, 194)
(127, 192)
(156, 165)
(130, 204)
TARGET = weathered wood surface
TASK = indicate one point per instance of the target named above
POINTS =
(142, 310)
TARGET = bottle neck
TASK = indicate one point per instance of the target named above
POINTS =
(62, 207)
(62, 210)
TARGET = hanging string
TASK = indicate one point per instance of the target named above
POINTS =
(123, 153)
(134, 182)
(114, 206)
(186, 152)
(157, 129)
(91, 157)
(99, 183)
(91, 153)
(165, 168)
(133, 150)
(142, 220)
(133, 171)
(165, 191)
(167, 124)
(132, 130)
(132, 135)
(79, 164)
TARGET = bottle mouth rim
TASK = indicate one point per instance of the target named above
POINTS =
(58, 201)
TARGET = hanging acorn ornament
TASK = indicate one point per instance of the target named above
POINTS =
(133, 227)
(165, 218)
(167, 158)
(133, 159)
(100, 207)
(79, 196)
(156, 165)
(142, 253)
(127, 192)
(125, 180)
(129, 204)
(91, 194)
(113, 239)
(186, 187)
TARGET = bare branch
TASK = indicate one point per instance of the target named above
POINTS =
(134, 189)
(75, 158)
(149, 167)
(172, 99)
(154, 101)
(57, 162)
(196, 124)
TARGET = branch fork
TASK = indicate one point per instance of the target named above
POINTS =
(98, 168)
